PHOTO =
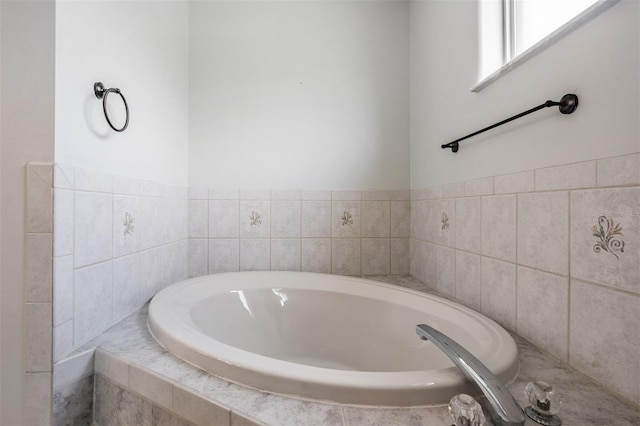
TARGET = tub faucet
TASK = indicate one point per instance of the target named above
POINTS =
(503, 407)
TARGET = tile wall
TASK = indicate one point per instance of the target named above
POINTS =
(338, 232)
(98, 247)
(551, 254)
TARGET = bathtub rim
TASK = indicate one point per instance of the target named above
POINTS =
(330, 385)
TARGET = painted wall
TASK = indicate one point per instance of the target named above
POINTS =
(140, 47)
(292, 95)
(598, 62)
(27, 134)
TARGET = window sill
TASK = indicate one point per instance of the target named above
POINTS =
(581, 19)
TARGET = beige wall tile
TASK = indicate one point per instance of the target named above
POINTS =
(38, 337)
(316, 255)
(346, 195)
(570, 176)
(542, 310)
(376, 219)
(376, 256)
(64, 177)
(197, 409)
(514, 183)
(499, 227)
(498, 298)
(255, 255)
(224, 216)
(286, 195)
(376, 195)
(38, 274)
(224, 256)
(543, 231)
(39, 198)
(624, 170)
(316, 219)
(483, 186)
(468, 283)
(198, 258)
(285, 254)
(198, 219)
(112, 367)
(605, 237)
(126, 218)
(93, 228)
(400, 219)
(346, 256)
(468, 224)
(604, 338)
(150, 385)
(37, 404)
(400, 256)
(285, 219)
(446, 270)
(63, 222)
(224, 194)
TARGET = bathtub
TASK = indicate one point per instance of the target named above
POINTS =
(325, 337)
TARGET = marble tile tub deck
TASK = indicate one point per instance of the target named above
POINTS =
(131, 366)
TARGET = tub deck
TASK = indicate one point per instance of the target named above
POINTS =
(137, 381)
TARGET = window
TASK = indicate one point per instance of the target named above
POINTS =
(513, 30)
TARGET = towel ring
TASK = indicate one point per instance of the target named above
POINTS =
(101, 93)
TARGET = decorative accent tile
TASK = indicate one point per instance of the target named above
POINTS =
(498, 298)
(376, 219)
(346, 220)
(468, 224)
(254, 219)
(499, 227)
(571, 176)
(224, 256)
(285, 219)
(543, 231)
(126, 212)
(605, 236)
(468, 284)
(446, 270)
(224, 219)
(542, 306)
(346, 256)
(446, 217)
(285, 254)
(376, 256)
(604, 337)
(618, 171)
(316, 255)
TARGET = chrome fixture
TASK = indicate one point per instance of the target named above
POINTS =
(502, 406)
(545, 403)
(465, 411)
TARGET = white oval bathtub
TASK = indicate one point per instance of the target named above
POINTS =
(325, 337)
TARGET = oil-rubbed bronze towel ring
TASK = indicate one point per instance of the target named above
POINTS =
(101, 93)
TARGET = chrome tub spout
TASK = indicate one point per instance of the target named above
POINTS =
(502, 406)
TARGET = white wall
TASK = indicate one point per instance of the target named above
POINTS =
(140, 47)
(598, 62)
(27, 110)
(290, 95)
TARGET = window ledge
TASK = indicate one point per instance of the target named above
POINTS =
(581, 19)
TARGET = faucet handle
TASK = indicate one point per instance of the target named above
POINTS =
(545, 403)
(465, 411)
